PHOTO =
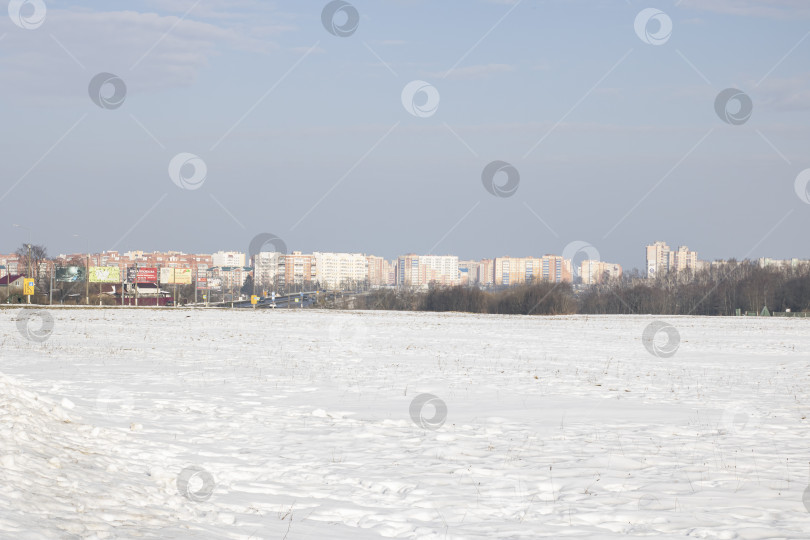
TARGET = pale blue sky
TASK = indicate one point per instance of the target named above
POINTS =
(304, 133)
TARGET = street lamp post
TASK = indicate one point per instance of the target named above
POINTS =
(86, 273)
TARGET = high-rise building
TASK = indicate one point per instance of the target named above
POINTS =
(298, 269)
(661, 259)
(657, 259)
(380, 272)
(467, 272)
(486, 273)
(340, 270)
(683, 259)
(266, 267)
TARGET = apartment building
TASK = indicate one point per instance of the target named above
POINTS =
(9, 265)
(683, 259)
(337, 270)
(268, 268)
(661, 259)
(508, 271)
(228, 258)
(485, 274)
(467, 272)
(297, 269)
(421, 270)
(593, 272)
(170, 259)
(381, 272)
(781, 264)
(228, 277)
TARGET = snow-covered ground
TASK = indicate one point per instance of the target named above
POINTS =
(174, 423)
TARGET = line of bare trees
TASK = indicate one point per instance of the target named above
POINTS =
(538, 298)
(719, 290)
(713, 291)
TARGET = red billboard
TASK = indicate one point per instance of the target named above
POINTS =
(144, 275)
(202, 282)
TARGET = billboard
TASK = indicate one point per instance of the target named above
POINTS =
(70, 274)
(175, 276)
(202, 282)
(143, 275)
(105, 274)
(215, 284)
(167, 276)
(182, 276)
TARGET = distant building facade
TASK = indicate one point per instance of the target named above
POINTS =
(228, 258)
(268, 269)
(782, 264)
(508, 271)
(593, 272)
(381, 272)
(339, 270)
(662, 260)
(421, 270)
(298, 269)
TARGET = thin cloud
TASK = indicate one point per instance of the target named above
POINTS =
(149, 51)
(787, 94)
(482, 71)
(774, 9)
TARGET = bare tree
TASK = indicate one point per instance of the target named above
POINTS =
(31, 258)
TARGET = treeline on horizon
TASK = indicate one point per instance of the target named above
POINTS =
(712, 291)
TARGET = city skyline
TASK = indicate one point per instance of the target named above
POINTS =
(182, 123)
(575, 247)
(579, 263)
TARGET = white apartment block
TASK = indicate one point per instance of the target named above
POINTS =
(421, 270)
(593, 272)
(657, 259)
(268, 268)
(334, 270)
(442, 269)
(782, 264)
(661, 259)
(228, 258)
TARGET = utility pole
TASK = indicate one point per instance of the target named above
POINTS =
(135, 282)
(28, 275)
(87, 279)
(29, 265)
(254, 274)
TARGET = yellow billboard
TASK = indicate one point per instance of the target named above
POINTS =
(182, 276)
(105, 274)
(175, 276)
(28, 287)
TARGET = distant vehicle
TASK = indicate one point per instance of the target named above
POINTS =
(272, 305)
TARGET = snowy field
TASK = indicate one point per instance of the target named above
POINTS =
(292, 425)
